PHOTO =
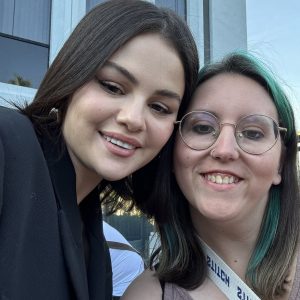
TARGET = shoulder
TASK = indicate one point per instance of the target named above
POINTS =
(13, 122)
(112, 234)
(7, 114)
(19, 142)
(125, 255)
(146, 287)
(127, 263)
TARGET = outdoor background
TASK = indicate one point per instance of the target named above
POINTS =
(273, 32)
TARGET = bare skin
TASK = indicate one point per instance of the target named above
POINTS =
(147, 287)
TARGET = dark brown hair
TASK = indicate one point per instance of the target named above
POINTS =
(100, 33)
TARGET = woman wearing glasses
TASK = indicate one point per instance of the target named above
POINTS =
(227, 206)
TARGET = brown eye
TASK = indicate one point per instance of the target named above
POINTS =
(159, 108)
(252, 134)
(203, 129)
(111, 87)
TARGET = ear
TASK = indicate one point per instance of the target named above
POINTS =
(277, 178)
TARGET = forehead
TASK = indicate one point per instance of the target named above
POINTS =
(142, 45)
(233, 96)
(152, 60)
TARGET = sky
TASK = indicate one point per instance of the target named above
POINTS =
(273, 33)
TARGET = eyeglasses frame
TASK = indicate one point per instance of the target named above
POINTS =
(179, 123)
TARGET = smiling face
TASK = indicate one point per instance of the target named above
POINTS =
(120, 120)
(228, 184)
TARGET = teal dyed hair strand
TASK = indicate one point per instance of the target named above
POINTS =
(267, 234)
(279, 97)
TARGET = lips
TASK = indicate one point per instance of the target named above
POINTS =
(121, 141)
(118, 142)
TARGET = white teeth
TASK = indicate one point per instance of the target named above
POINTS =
(119, 143)
(225, 180)
(220, 179)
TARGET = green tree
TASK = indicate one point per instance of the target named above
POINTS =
(19, 80)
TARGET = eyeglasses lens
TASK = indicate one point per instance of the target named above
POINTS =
(254, 134)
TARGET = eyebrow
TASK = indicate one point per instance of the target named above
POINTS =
(123, 71)
(169, 94)
(206, 110)
(133, 79)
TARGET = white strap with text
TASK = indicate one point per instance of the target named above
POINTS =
(225, 278)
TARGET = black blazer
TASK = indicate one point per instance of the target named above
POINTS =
(49, 247)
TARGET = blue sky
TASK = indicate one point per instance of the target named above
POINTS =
(273, 32)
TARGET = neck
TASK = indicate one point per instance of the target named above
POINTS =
(86, 178)
(84, 186)
(234, 242)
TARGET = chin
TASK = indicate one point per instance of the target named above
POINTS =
(114, 177)
(218, 215)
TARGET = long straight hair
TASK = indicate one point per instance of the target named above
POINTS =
(104, 30)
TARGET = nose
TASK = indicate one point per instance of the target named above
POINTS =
(226, 148)
(132, 116)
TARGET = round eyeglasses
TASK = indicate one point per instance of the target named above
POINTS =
(255, 134)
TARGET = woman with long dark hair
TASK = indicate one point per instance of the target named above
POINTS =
(105, 108)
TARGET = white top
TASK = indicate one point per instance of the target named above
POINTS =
(126, 265)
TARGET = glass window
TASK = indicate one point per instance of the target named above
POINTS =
(24, 41)
(91, 3)
(28, 19)
(179, 6)
(22, 63)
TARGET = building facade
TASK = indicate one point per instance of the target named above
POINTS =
(32, 32)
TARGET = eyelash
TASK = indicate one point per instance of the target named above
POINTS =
(111, 87)
(160, 109)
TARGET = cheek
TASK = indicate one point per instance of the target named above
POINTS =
(67, 125)
(74, 123)
(70, 133)
(268, 169)
(183, 170)
(158, 134)
(182, 160)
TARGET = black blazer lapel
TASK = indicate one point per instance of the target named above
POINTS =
(98, 263)
(64, 184)
(74, 258)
